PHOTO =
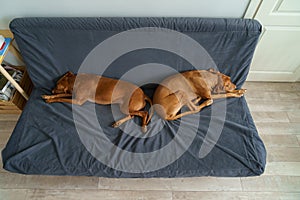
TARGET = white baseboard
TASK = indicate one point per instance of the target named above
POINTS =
(269, 76)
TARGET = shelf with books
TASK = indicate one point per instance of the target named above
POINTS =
(14, 103)
(17, 101)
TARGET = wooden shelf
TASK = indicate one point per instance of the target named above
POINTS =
(17, 102)
(23, 89)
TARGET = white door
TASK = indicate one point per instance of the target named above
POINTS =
(277, 57)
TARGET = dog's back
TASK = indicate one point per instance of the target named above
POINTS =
(191, 82)
(103, 90)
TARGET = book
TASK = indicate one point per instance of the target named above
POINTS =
(5, 47)
(2, 42)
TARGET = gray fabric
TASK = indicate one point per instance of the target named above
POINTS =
(45, 140)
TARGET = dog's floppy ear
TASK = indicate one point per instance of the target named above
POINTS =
(69, 73)
(219, 87)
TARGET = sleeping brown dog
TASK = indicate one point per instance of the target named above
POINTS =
(102, 90)
(188, 89)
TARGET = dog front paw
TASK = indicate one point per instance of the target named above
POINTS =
(116, 124)
(46, 96)
(209, 102)
(242, 91)
(144, 129)
(48, 100)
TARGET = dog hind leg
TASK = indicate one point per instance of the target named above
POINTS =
(64, 100)
(121, 121)
(200, 107)
(142, 114)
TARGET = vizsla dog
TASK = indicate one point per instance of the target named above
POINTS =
(188, 89)
(102, 90)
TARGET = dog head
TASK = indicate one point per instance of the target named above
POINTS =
(64, 84)
(227, 84)
(224, 82)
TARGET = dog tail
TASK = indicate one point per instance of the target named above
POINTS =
(151, 109)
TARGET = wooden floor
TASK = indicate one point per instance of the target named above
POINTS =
(276, 111)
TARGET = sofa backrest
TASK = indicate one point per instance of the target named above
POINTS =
(114, 46)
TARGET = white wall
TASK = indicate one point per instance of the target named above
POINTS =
(157, 8)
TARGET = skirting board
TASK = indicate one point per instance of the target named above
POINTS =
(270, 76)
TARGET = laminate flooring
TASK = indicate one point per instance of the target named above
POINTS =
(275, 108)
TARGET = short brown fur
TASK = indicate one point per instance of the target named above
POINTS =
(188, 89)
(102, 90)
